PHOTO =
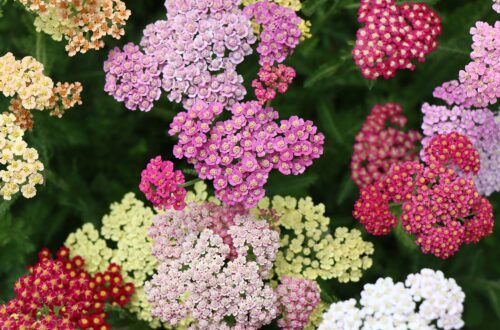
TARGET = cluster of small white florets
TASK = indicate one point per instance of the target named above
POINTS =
(425, 301)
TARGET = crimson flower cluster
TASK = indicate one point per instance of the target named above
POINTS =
(393, 36)
(59, 294)
(162, 185)
(272, 79)
(238, 153)
(379, 145)
(442, 209)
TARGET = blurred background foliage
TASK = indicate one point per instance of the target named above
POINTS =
(95, 154)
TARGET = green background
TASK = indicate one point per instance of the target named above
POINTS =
(95, 154)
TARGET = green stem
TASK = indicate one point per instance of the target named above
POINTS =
(190, 183)
(40, 50)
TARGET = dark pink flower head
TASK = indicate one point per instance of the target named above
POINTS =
(379, 145)
(280, 30)
(394, 36)
(271, 80)
(238, 153)
(298, 298)
(453, 149)
(132, 77)
(442, 209)
(162, 184)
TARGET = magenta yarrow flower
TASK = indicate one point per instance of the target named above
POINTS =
(280, 30)
(132, 77)
(198, 48)
(481, 127)
(162, 184)
(478, 84)
(237, 154)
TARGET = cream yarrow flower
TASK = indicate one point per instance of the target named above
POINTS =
(127, 227)
(307, 247)
(19, 165)
(30, 89)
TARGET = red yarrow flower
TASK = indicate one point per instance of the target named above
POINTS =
(442, 209)
(60, 294)
(378, 145)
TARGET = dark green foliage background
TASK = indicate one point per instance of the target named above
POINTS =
(94, 155)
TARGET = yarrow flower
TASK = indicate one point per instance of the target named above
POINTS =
(478, 84)
(30, 89)
(394, 36)
(425, 300)
(132, 77)
(19, 165)
(64, 295)
(196, 281)
(162, 185)
(83, 24)
(280, 30)
(378, 146)
(271, 80)
(307, 249)
(297, 298)
(481, 127)
(441, 208)
(126, 228)
(295, 5)
(198, 48)
(238, 153)
(496, 6)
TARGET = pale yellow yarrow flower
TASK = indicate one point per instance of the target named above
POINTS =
(308, 249)
(19, 164)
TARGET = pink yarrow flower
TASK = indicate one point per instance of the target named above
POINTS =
(271, 80)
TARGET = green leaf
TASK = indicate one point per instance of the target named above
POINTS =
(309, 7)
(326, 71)
(347, 188)
(329, 125)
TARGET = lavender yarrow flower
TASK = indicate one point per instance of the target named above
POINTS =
(280, 30)
(198, 48)
(479, 83)
(496, 6)
(238, 153)
(198, 283)
(132, 77)
(480, 127)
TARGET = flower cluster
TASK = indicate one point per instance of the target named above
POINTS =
(162, 185)
(441, 208)
(30, 89)
(480, 127)
(394, 36)
(295, 5)
(197, 283)
(19, 165)
(307, 248)
(280, 30)
(298, 298)
(127, 228)
(496, 6)
(272, 79)
(65, 294)
(132, 77)
(478, 84)
(238, 153)
(198, 48)
(82, 23)
(379, 145)
(424, 300)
